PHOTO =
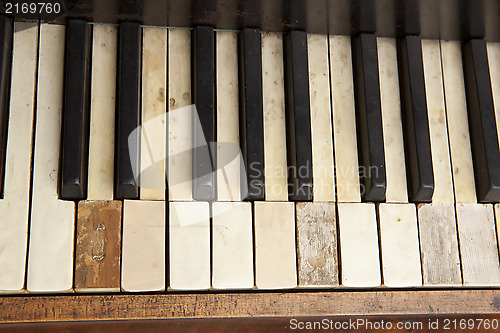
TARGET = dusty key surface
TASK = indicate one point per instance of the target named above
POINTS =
(228, 158)
(275, 253)
(391, 121)
(179, 131)
(458, 126)
(399, 245)
(344, 120)
(478, 246)
(274, 117)
(321, 119)
(154, 106)
(102, 113)
(317, 244)
(439, 245)
(143, 249)
(98, 246)
(443, 185)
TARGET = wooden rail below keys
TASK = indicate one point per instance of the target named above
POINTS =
(40, 308)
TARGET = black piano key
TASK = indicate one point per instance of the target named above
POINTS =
(5, 62)
(482, 124)
(369, 118)
(128, 111)
(203, 82)
(298, 117)
(416, 134)
(75, 120)
(251, 114)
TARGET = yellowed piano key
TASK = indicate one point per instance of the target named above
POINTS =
(344, 120)
(359, 248)
(179, 124)
(232, 245)
(275, 252)
(189, 245)
(102, 112)
(441, 165)
(391, 120)
(275, 162)
(154, 106)
(317, 244)
(478, 245)
(143, 246)
(493, 49)
(228, 160)
(51, 244)
(399, 245)
(98, 246)
(14, 207)
(321, 118)
(458, 125)
(439, 245)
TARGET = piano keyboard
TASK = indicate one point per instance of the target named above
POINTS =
(365, 162)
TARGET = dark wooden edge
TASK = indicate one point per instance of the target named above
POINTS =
(441, 19)
(39, 308)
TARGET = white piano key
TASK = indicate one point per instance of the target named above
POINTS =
(275, 253)
(443, 185)
(321, 119)
(180, 127)
(15, 204)
(399, 245)
(478, 245)
(275, 162)
(359, 252)
(102, 113)
(317, 244)
(154, 125)
(344, 120)
(143, 246)
(228, 175)
(50, 257)
(232, 245)
(391, 121)
(189, 242)
(439, 245)
(494, 62)
(458, 128)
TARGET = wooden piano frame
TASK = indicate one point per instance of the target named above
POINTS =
(444, 19)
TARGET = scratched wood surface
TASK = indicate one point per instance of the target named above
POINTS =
(317, 244)
(98, 246)
(76, 307)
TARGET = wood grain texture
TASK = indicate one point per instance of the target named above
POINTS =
(98, 246)
(238, 305)
(317, 244)
(478, 245)
(413, 324)
(439, 245)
